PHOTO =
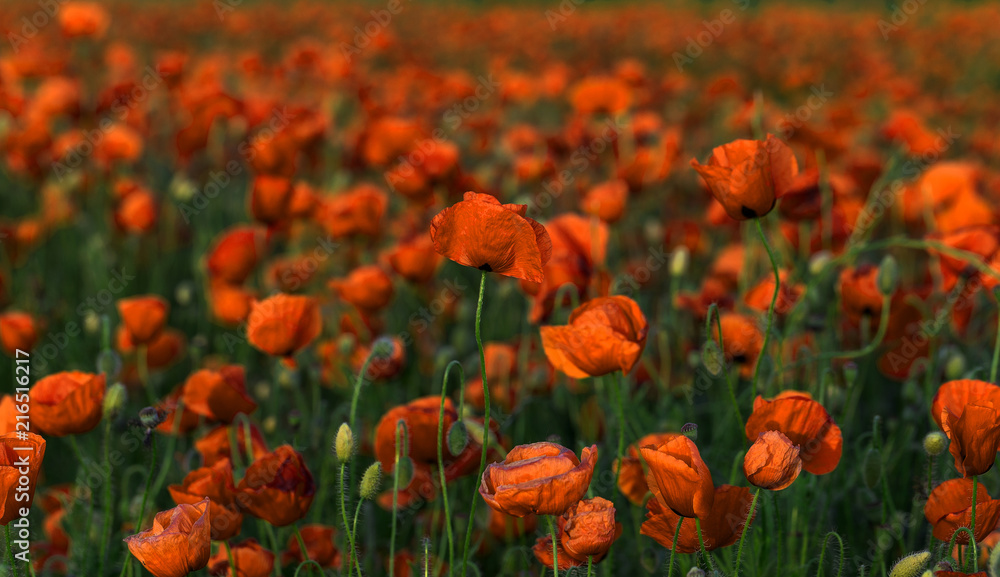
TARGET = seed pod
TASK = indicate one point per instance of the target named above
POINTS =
(371, 480)
(344, 444)
(910, 566)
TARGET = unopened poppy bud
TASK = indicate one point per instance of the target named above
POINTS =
(993, 564)
(183, 293)
(371, 480)
(850, 374)
(690, 430)
(270, 424)
(114, 400)
(872, 468)
(91, 323)
(888, 275)
(150, 417)
(285, 380)
(935, 443)
(818, 262)
(679, 261)
(711, 357)
(696, 572)
(954, 367)
(182, 189)
(458, 438)
(382, 347)
(344, 443)
(910, 566)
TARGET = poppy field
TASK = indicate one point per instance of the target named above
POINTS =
(469, 289)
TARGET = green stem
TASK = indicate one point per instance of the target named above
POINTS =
(770, 309)
(354, 531)
(713, 310)
(106, 526)
(306, 561)
(486, 422)
(440, 456)
(555, 550)
(822, 553)
(673, 546)
(972, 528)
(621, 422)
(357, 387)
(232, 559)
(701, 543)
(395, 502)
(269, 529)
(343, 513)
(145, 497)
(590, 565)
(743, 536)
(10, 550)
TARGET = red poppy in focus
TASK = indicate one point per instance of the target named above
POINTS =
(632, 477)
(250, 558)
(949, 507)
(178, 543)
(587, 529)
(604, 335)
(974, 436)
(277, 487)
(721, 527)
(283, 324)
(682, 480)
(747, 176)
(805, 422)
(540, 479)
(772, 462)
(481, 233)
(67, 403)
(216, 484)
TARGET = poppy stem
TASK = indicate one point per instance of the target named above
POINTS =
(357, 387)
(743, 536)
(142, 366)
(486, 421)
(673, 547)
(395, 504)
(621, 422)
(10, 550)
(302, 549)
(555, 550)
(145, 498)
(972, 528)
(440, 455)
(343, 514)
(590, 565)
(701, 543)
(106, 525)
(354, 531)
(232, 559)
(770, 309)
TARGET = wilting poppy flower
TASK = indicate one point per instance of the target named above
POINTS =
(506, 527)
(216, 484)
(368, 288)
(415, 260)
(682, 479)
(250, 558)
(859, 292)
(17, 332)
(143, 317)
(178, 543)
(586, 529)
(632, 476)
(742, 341)
(215, 445)
(772, 462)
(236, 253)
(319, 547)
(747, 176)
(218, 395)
(604, 335)
(540, 478)
(12, 451)
(277, 487)
(67, 403)
(421, 417)
(974, 436)
(949, 507)
(805, 422)
(283, 324)
(481, 233)
(721, 527)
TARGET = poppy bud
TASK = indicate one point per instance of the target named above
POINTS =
(935, 443)
(183, 293)
(872, 467)
(711, 357)
(888, 275)
(91, 323)
(114, 400)
(910, 566)
(993, 564)
(371, 480)
(696, 572)
(344, 444)
(270, 424)
(850, 374)
(458, 438)
(954, 367)
(679, 261)
(818, 262)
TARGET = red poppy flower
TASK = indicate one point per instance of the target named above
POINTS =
(949, 507)
(481, 233)
(143, 317)
(319, 547)
(974, 435)
(955, 395)
(178, 543)
(540, 478)
(67, 403)
(250, 558)
(13, 450)
(632, 476)
(805, 422)
(421, 417)
(368, 288)
(270, 199)
(215, 445)
(277, 487)
(235, 254)
(283, 324)
(218, 395)
(682, 480)
(587, 529)
(604, 335)
(772, 462)
(859, 292)
(742, 341)
(216, 484)
(352, 213)
(721, 527)
(747, 176)
(17, 332)
(606, 201)
(415, 260)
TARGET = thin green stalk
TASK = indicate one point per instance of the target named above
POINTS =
(621, 422)
(161, 478)
(673, 546)
(357, 387)
(770, 309)
(395, 503)
(590, 565)
(145, 496)
(486, 422)
(555, 551)
(743, 536)
(701, 543)
(972, 528)
(713, 310)
(306, 561)
(440, 456)
(10, 550)
(343, 511)
(354, 531)
(106, 526)
(232, 558)
(269, 530)
(822, 553)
